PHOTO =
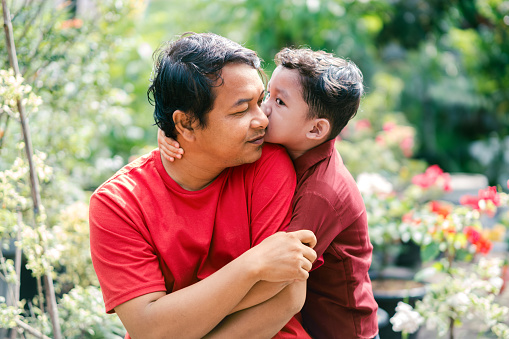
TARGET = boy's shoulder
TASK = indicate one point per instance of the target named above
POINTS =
(325, 174)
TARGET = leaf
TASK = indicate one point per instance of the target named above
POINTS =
(430, 251)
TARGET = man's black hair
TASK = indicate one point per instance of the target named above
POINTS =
(185, 72)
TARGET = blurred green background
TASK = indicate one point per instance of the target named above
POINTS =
(437, 92)
(441, 65)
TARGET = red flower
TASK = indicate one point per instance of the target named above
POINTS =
(433, 176)
(470, 200)
(362, 125)
(406, 146)
(488, 194)
(473, 236)
(408, 217)
(440, 209)
(389, 126)
(483, 246)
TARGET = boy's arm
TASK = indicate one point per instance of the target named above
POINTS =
(312, 211)
(170, 148)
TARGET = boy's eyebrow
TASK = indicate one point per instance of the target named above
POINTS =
(282, 91)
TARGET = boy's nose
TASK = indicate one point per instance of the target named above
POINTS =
(266, 108)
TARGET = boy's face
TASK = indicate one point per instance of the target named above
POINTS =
(286, 109)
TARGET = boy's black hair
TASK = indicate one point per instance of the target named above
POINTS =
(332, 87)
(186, 70)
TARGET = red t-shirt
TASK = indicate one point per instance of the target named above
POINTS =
(339, 301)
(148, 234)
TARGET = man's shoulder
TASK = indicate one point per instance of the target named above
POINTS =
(273, 150)
(273, 156)
(126, 176)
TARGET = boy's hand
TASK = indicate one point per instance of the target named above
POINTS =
(284, 256)
(170, 148)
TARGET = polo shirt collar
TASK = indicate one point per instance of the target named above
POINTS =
(314, 156)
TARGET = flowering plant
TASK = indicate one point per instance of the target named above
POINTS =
(387, 208)
(451, 234)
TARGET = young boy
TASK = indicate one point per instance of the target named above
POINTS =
(310, 98)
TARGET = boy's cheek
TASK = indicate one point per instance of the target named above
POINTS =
(269, 136)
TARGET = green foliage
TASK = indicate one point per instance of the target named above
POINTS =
(446, 61)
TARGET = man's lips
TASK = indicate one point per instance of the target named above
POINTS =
(257, 140)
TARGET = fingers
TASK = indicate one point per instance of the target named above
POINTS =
(310, 255)
(170, 148)
(306, 237)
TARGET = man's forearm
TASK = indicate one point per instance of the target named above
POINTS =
(190, 312)
(261, 291)
(194, 311)
(264, 320)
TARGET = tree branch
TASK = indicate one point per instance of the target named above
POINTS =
(30, 329)
(36, 197)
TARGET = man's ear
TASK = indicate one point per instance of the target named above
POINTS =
(319, 130)
(184, 125)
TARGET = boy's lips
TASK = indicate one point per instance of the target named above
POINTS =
(257, 140)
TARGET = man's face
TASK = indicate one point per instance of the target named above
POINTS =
(286, 109)
(236, 124)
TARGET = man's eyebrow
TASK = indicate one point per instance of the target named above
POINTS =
(241, 101)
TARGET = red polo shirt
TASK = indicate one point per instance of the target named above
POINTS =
(148, 234)
(339, 302)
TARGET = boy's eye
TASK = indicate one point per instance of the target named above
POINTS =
(280, 102)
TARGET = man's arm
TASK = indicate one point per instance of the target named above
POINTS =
(194, 311)
(272, 315)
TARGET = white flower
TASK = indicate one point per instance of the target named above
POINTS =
(496, 282)
(369, 183)
(459, 301)
(406, 319)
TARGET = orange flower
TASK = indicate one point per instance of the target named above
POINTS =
(72, 23)
(441, 209)
(483, 245)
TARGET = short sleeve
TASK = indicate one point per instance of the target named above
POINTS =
(273, 189)
(122, 254)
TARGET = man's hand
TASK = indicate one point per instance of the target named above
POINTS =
(283, 256)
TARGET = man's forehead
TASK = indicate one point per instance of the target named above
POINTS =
(240, 83)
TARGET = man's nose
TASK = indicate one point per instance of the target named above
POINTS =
(260, 121)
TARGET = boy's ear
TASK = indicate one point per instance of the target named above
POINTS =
(319, 130)
(184, 125)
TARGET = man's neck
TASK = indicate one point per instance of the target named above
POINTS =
(188, 175)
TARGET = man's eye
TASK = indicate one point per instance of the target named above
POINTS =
(240, 113)
(280, 102)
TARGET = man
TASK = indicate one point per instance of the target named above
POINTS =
(188, 249)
